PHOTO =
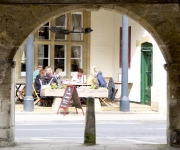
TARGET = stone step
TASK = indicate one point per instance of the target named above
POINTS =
(113, 107)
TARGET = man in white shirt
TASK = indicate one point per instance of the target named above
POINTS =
(77, 77)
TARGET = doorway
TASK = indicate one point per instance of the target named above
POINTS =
(146, 73)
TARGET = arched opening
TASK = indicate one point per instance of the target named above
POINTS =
(105, 43)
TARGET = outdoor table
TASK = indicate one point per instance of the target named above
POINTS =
(81, 92)
(100, 93)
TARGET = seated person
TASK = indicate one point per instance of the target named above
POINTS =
(37, 84)
(100, 78)
(49, 74)
(36, 72)
(44, 79)
(92, 79)
(77, 77)
(58, 75)
(49, 71)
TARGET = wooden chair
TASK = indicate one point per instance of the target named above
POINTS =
(20, 94)
(35, 95)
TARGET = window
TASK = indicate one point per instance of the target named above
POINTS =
(60, 22)
(76, 58)
(44, 32)
(77, 22)
(59, 57)
(129, 48)
(43, 54)
(23, 63)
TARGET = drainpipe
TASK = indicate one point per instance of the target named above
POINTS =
(28, 100)
(124, 100)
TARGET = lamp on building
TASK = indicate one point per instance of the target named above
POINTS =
(75, 30)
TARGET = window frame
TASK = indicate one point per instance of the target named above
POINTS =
(82, 36)
(65, 58)
(49, 53)
(65, 27)
(81, 58)
(48, 31)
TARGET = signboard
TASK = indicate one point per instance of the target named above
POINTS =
(70, 93)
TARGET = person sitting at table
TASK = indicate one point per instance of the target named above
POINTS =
(58, 75)
(77, 77)
(49, 74)
(37, 84)
(100, 77)
(36, 72)
(92, 79)
(41, 80)
(49, 71)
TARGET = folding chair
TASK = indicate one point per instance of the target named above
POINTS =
(35, 95)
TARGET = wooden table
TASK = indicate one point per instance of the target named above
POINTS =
(81, 93)
(96, 93)
(76, 84)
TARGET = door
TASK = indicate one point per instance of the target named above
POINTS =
(146, 73)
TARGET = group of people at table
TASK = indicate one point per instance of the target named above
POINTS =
(43, 76)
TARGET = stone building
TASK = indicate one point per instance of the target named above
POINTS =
(19, 21)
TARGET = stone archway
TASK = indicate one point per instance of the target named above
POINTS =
(18, 21)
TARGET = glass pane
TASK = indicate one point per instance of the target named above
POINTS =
(75, 64)
(59, 35)
(76, 36)
(23, 62)
(44, 33)
(60, 21)
(75, 52)
(43, 51)
(76, 22)
(44, 62)
(59, 51)
(23, 67)
(59, 63)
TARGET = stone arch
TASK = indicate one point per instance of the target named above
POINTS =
(19, 21)
(38, 17)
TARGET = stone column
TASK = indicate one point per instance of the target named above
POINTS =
(6, 98)
(90, 123)
(173, 104)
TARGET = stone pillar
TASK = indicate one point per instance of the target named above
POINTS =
(173, 104)
(90, 123)
(6, 98)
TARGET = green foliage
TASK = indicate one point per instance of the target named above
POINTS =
(53, 86)
(93, 86)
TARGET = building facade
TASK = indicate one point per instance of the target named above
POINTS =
(72, 51)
